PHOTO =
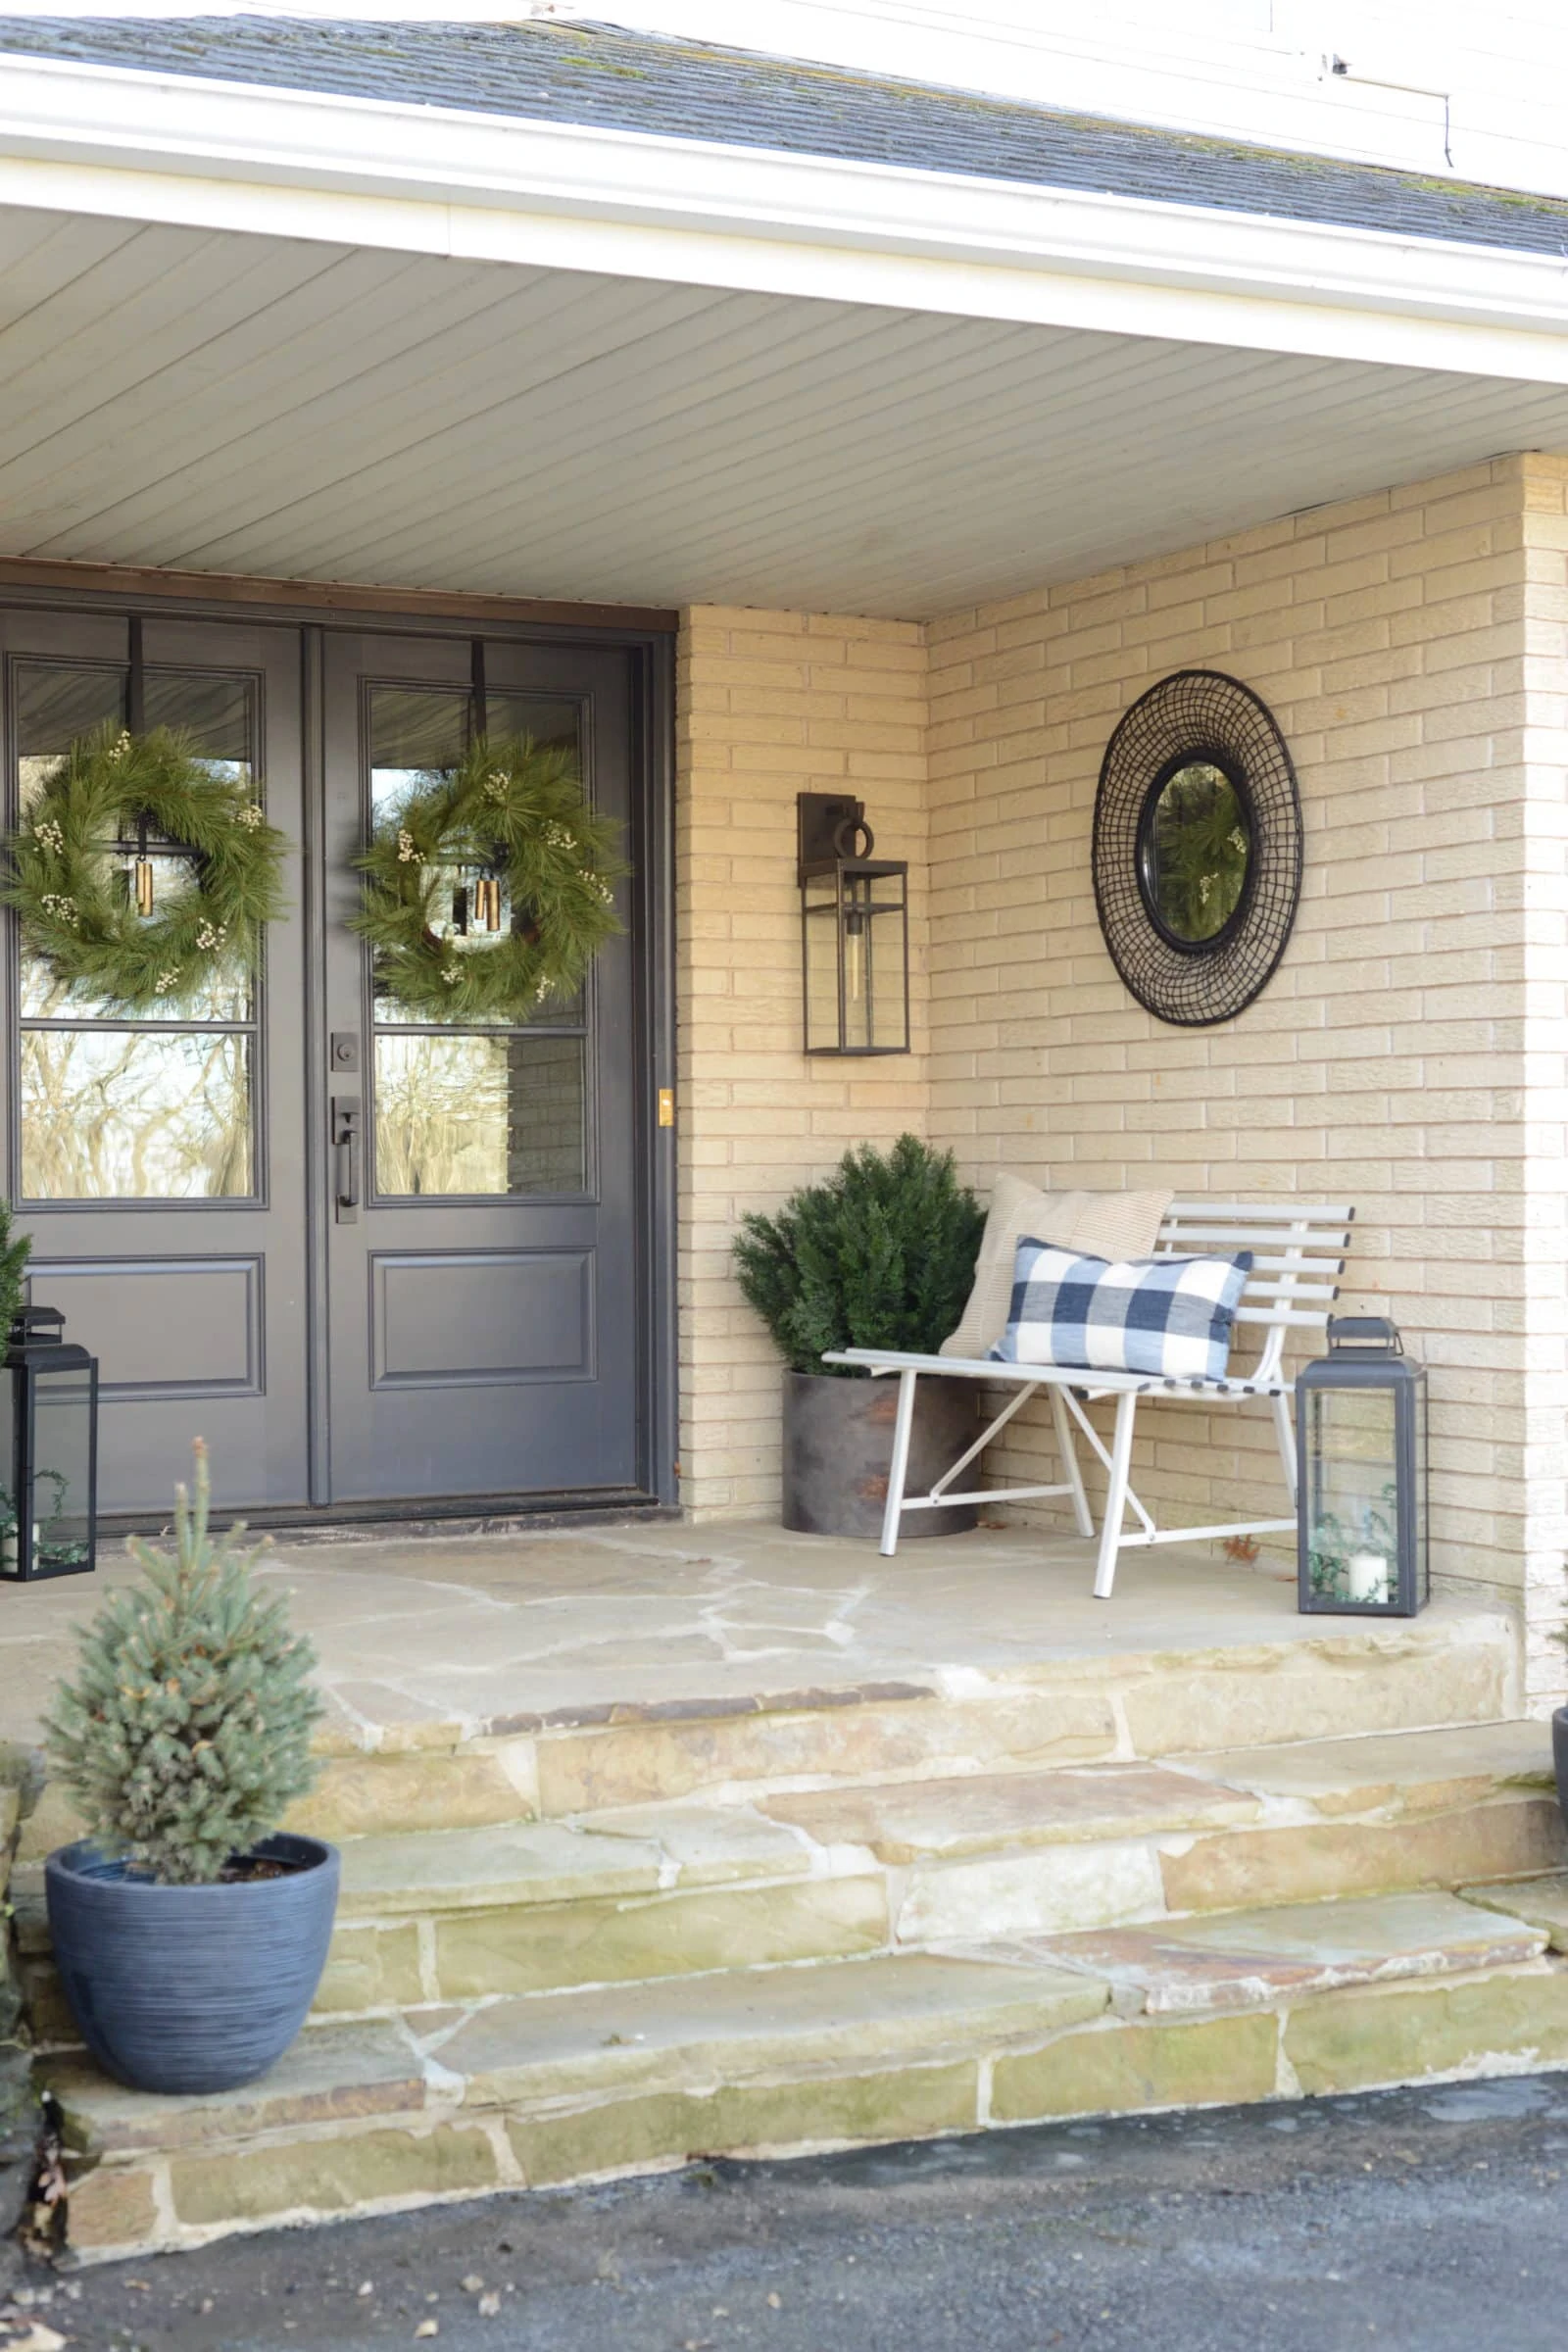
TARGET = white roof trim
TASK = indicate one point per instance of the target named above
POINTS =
(419, 179)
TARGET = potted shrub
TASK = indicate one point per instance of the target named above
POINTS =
(189, 1931)
(881, 1254)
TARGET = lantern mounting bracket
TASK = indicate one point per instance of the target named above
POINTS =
(824, 822)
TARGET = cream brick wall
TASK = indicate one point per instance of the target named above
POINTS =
(769, 705)
(1408, 1055)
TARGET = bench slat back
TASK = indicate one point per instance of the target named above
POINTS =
(1299, 1252)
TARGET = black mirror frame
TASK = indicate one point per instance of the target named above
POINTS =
(1198, 716)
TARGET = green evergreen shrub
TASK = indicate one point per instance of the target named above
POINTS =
(13, 1249)
(186, 1733)
(881, 1254)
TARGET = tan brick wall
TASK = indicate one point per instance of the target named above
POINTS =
(1409, 1054)
(769, 705)
(1390, 1057)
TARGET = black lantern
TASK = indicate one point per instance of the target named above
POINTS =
(49, 1514)
(1362, 1424)
(855, 932)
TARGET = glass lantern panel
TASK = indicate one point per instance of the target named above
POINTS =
(886, 966)
(62, 1468)
(1351, 1472)
(821, 966)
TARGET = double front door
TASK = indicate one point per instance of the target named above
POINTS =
(373, 1259)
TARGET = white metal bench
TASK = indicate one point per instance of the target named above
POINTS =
(1297, 1257)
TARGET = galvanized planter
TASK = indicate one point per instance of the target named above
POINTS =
(838, 1448)
(191, 1988)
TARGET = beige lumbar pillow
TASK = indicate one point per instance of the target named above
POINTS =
(1115, 1225)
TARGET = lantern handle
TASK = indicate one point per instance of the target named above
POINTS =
(1371, 1335)
(853, 831)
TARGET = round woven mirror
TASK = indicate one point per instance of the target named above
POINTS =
(1197, 847)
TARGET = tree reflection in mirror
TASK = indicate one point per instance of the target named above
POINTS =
(1194, 853)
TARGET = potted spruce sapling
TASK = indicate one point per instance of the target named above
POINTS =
(880, 1254)
(190, 1931)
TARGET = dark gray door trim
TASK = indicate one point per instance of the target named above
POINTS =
(653, 755)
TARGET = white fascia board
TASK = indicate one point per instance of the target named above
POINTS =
(424, 179)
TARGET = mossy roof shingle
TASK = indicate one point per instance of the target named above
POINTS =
(602, 76)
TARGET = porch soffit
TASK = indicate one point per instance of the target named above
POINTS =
(217, 402)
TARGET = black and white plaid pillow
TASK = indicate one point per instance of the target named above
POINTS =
(1171, 1317)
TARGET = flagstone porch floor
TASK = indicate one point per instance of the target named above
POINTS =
(426, 1640)
(660, 1841)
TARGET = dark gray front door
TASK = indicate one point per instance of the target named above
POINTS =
(156, 1161)
(483, 1287)
(475, 1326)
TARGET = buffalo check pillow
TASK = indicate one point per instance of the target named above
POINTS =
(1171, 1317)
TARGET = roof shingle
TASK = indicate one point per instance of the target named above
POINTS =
(604, 77)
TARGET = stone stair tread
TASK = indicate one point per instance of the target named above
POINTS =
(911, 1821)
(1438, 1768)
(1246, 1959)
(332, 2074)
(676, 2032)
(638, 1851)
(671, 2034)
(682, 2034)
(1541, 1902)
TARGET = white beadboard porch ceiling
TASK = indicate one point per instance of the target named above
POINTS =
(213, 401)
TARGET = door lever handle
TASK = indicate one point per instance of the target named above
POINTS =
(346, 1138)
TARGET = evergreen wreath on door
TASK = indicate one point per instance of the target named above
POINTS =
(82, 865)
(489, 889)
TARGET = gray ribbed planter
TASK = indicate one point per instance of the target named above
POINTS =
(1559, 1756)
(838, 1446)
(191, 1988)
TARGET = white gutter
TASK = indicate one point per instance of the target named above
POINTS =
(362, 172)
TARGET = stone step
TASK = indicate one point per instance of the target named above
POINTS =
(1080, 1707)
(664, 1890)
(461, 2099)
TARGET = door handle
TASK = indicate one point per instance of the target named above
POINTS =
(346, 1138)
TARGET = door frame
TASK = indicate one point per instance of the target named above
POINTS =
(648, 637)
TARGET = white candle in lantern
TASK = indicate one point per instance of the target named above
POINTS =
(1367, 1575)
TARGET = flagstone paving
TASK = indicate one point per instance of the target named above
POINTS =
(1239, 1960)
(426, 1641)
(661, 1841)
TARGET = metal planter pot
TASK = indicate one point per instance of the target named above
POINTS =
(838, 1445)
(191, 1988)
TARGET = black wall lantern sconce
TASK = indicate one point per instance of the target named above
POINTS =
(854, 931)
(49, 1512)
(1362, 1434)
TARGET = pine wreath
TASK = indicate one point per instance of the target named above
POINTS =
(68, 878)
(489, 889)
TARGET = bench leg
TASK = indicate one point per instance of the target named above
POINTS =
(1285, 1431)
(899, 1467)
(1121, 1462)
(1068, 1450)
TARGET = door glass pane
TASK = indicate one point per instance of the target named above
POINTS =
(126, 1114)
(421, 733)
(151, 1109)
(215, 711)
(479, 1114)
(55, 706)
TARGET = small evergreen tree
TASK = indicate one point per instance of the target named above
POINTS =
(881, 1254)
(13, 1249)
(186, 1732)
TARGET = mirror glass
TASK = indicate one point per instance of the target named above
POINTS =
(1195, 852)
